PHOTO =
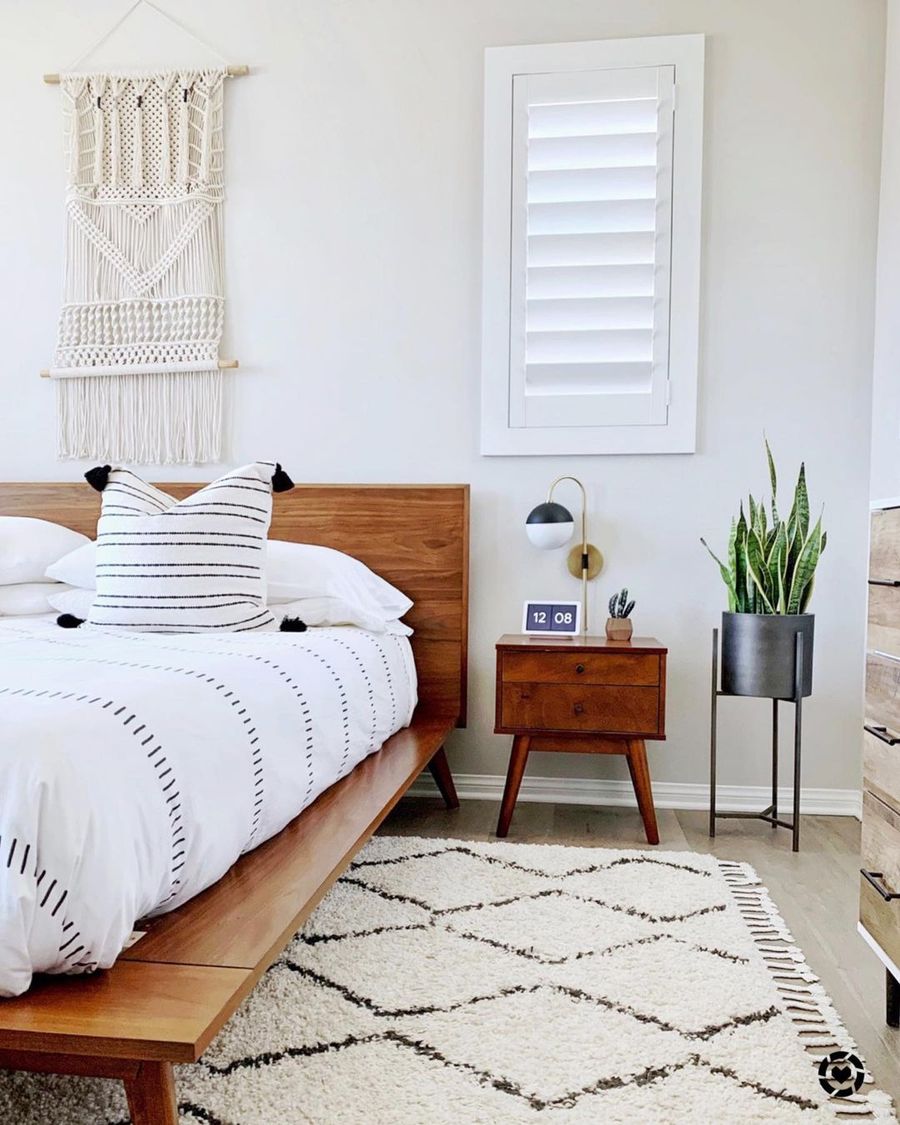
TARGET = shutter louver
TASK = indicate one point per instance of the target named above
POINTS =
(591, 247)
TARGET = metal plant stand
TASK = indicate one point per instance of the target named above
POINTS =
(770, 814)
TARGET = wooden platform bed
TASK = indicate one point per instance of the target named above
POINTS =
(171, 992)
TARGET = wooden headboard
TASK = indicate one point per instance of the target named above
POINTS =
(415, 536)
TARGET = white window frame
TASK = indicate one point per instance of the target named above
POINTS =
(674, 431)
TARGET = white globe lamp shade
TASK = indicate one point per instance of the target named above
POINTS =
(549, 525)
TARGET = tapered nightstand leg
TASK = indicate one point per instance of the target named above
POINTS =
(636, 755)
(518, 758)
(443, 779)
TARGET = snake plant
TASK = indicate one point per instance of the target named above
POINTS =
(772, 561)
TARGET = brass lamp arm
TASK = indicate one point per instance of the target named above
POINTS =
(575, 480)
(585, 558)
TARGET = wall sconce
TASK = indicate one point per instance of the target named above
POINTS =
(550, 525)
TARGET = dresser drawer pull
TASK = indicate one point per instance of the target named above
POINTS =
(881, 733)
(884, 581)
(579, 708)
(875, 877)
(579, 668)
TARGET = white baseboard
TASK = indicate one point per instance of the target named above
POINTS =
(666, 794)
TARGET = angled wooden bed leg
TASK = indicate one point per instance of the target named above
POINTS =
(443, 779)
(151, 1095)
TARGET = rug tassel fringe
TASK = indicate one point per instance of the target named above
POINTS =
(809, 1008)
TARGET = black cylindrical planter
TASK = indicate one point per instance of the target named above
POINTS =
(759, 653)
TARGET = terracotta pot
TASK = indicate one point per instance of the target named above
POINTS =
(619, 628)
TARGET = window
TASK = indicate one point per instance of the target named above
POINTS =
(591, 246)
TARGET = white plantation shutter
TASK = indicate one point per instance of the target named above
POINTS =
(591, 232)
(583, 330)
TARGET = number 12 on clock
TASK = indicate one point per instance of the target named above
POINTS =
(551, 618)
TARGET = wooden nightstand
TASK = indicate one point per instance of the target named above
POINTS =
(585, 695)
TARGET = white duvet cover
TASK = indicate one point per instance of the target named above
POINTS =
(135, 768)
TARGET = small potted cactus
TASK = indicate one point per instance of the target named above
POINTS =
(619, 627)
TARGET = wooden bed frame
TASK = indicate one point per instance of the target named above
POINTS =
(170, 993)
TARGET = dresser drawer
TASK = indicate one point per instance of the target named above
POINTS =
(591, 708)
(882, 690)
(881, 765)
(881, 918)
(884, 619)
(881, 841)
(640, 669)
(884, 547)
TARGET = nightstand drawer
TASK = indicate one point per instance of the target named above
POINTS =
(592, 708)
(640, 669)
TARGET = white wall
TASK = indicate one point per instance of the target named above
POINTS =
(885, 479)
(353, 227)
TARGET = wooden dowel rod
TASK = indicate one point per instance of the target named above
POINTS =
(240, 70)
(223, 365)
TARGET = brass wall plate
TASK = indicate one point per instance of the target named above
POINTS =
(595, 561)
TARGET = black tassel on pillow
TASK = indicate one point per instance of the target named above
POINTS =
(281, 482)
(98, 477)
(292, 625)
(69, 621)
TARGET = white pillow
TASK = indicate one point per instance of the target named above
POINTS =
(301, 570)
(26, 599)
(67, 599)
(185, 566)
(28, 546)
(76, 568)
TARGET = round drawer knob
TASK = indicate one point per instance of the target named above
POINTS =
(579, 668)
(579, 708)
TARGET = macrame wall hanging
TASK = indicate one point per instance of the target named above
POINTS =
(137, 366)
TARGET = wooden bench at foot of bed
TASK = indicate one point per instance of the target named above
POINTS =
(170, 992)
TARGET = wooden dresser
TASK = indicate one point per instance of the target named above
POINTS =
(582, 695)
(879, 903)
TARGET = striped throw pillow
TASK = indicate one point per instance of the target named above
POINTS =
(185, 566)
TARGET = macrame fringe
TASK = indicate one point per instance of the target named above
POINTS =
(163, 419)
(804, 1000)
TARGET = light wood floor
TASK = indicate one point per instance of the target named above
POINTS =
(816, 890)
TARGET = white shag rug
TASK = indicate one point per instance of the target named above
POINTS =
(447, 982)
